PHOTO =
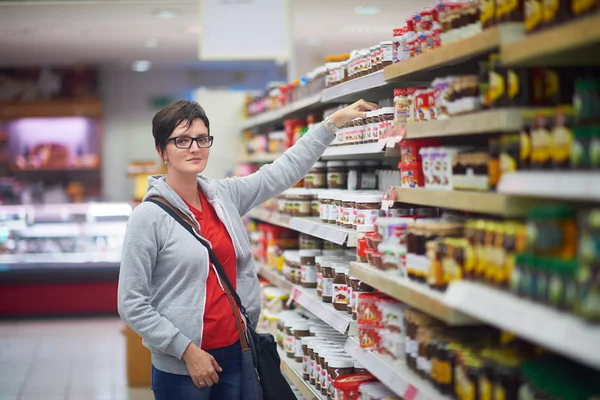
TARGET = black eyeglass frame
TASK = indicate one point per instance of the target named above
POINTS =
(192, 140)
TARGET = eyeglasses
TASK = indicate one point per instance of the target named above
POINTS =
(185, 142)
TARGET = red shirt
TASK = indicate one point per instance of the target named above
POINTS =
(219, 321)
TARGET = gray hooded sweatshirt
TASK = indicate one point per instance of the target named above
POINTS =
(162, 281)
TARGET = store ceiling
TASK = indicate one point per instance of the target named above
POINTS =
(117, 32)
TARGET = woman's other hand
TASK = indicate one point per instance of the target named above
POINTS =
(356, 110)
(201, 366)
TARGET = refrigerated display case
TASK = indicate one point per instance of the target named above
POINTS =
(60, 259)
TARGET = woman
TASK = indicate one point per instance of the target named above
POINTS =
(168, 291)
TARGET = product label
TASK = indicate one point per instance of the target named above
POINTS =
(388, 54)
(319, 281)
(340, 293)
(317, 180)
(332, 212)
(340, 214)
(488, 10)
(323, 211)
(497, 86)
(541, 143)
(308, 274)
(581, 6)
(305, 365)
(289, 344)
(368, 181)
(533, 14)
(327, 287)
(367, 217)
(311, 369)
(346, 215)
(299, 352)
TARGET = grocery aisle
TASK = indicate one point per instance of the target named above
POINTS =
(76, 359)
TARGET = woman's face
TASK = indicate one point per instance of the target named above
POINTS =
(184, 160)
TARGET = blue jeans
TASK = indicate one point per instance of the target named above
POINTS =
(180, 387)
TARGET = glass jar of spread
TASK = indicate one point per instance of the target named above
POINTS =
(326, 200)
(319, 351)
(357, 287)
(348, 207)
(368, 209)
(387, 119)
(317, 176)
(337, 174)
(304, 342)
(289, 342)
(300, 330)
(340, 289)
(312, 346)
(339, 206)
(295, 269)
(322, 363)
(299, 202)
(387, 48)
(337, 367)
(308, 270)
(328, 275)
(360, 130)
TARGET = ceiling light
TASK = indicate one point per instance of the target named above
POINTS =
(367, 10)
(166, 13)
(141, 65)
(151, 43)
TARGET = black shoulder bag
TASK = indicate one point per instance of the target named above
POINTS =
(262, 346)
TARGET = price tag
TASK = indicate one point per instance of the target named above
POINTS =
(388, 199)
(410, 393)
(294, 296)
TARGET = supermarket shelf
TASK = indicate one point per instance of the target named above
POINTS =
(415, 294)
(348, 91)
(573, 43)
(394, 374)
(332, 233)
(338, 320)
(282, 113)
(500, 120)
(262, 119)
(293, 371)
(558, 331)
(309, 225)
(354, 150)
(271, 217)
(477, 202)
(571, 185)
(274, 276)
(260, 158)
(453, 53)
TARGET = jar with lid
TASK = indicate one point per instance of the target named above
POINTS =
(321, 379)
(337, 174)
(308, 268)
(387, 48)
(354, 173)
(299, 202)
(348, 205)
(304, 342)
(340, 289)
(360, 125)
(295, 268)
(314, 202)
(327, 285)
(289, 344)
(339, 206)
(387, 119)
(326, 206)
(300, 330)
(358, 287)
(368, 120)
(318, 352)
(317, 176)
(338, 367)
(368, 209)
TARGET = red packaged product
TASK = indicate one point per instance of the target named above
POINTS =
(411, 175)
(410, 149)
(347, 386)
(368, 337)
(367, 311)
(425, 100)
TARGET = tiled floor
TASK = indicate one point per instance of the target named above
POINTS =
(80, 359)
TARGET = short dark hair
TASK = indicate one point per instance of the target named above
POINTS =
(166, 120)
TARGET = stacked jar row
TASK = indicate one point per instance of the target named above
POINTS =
(328, 274)
(366, 130)
(319, 348)
(351, 175)
(350, 209)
